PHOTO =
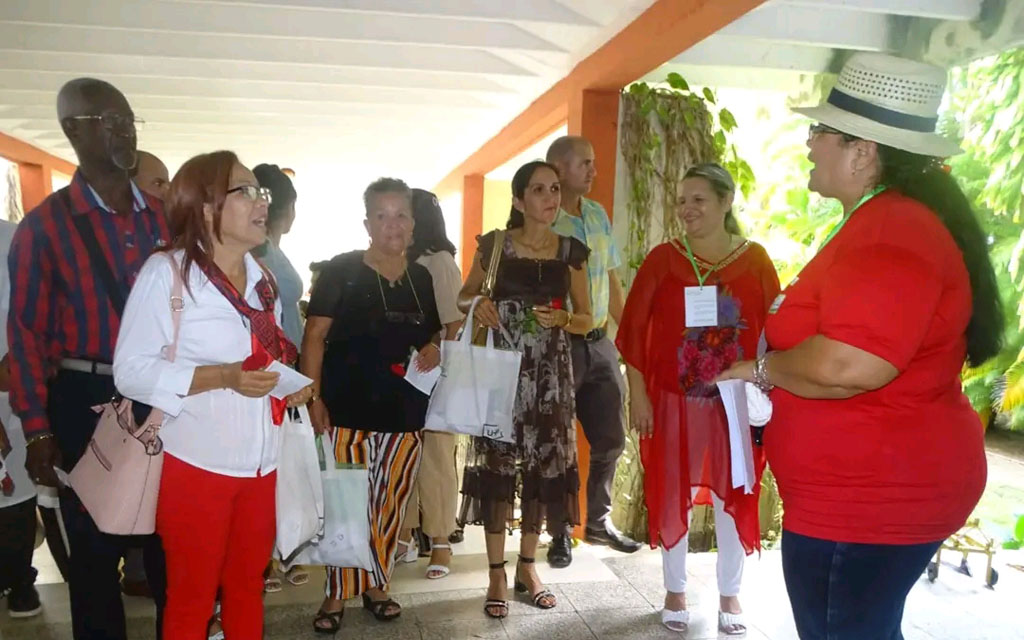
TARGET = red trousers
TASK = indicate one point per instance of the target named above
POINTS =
(217, 531)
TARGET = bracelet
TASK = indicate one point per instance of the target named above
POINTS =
(761, 374)
(313, 398)
(431, 344)
(568, 319)
(38, 438)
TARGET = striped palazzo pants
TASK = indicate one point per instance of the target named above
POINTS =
(392, 460)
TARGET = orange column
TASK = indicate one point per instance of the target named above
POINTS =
(35, 184)
(594, 114)
(472, 218)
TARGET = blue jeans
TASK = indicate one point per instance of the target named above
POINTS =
(847, 591)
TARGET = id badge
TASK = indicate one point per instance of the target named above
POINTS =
(701, 306)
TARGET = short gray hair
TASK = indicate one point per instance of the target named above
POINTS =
(74, 97)
(386, 185)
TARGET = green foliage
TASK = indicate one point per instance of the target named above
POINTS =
(987, 108)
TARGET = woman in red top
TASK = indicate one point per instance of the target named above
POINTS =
(673, 355)
(878, 455)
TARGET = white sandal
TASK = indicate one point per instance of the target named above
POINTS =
(678, 621)
(731, 624)
(411, 553)
(440, 569)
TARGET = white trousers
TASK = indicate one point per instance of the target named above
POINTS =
(730, 555)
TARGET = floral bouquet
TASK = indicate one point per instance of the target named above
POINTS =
(708, 351)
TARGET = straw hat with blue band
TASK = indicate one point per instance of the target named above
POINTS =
(888, 100)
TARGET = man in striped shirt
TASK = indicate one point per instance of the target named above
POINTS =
(63, 324)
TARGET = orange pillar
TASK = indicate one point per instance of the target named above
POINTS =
(35, 184)
(594, 114)
(472, 218)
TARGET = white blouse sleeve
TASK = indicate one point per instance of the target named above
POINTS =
(447, 284)
(140, 370)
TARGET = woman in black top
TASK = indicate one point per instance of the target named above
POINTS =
(539, 274)
(369, 311)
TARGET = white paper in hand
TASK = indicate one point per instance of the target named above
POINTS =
(741, 453)
(424, 381)
(291, 381)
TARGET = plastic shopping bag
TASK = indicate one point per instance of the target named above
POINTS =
(300, 494)
(346, 539)
(476, 393)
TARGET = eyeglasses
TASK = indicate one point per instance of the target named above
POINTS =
(818, 128)
(252, 193)
(114, 121)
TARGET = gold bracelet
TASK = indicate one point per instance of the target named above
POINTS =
(568, 319)
(38, 438)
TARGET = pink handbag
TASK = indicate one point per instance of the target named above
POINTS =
(118, 477)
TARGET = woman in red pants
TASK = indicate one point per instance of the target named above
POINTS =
(216, 507)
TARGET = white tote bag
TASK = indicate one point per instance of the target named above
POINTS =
(476, 394)
(346, 539)
(299, 492)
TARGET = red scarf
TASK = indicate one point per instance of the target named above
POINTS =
(269, 342)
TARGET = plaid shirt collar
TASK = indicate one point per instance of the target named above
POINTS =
(84, 198)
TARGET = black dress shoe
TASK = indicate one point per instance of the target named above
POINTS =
(560, 552)
(610, 536)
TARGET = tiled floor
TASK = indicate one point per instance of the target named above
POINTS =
(603, 596)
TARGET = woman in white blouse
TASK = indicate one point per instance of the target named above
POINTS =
(433, 501)
(215, 513)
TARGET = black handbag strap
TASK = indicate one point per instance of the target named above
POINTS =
(96, 257)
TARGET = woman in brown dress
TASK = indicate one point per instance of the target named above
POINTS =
(538, 269)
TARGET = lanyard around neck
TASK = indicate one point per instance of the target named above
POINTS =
(869, 195)
(701, 278)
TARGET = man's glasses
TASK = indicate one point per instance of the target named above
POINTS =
(252, 193)
(114, 121)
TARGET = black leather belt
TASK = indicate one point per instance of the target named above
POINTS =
(593, 335)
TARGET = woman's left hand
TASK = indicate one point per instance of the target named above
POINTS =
(300, 397)
(428, 358)
(548, 317)
(742, 370)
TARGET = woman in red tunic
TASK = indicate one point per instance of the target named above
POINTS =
(697, 306)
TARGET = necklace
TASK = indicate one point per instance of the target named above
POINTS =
(537, 248)
(399, 316)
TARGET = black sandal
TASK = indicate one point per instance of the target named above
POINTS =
(540, 595)
(379, 608)
(333, 620)
(501, 605)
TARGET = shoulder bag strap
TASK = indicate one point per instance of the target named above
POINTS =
(177, 305)
(492, 269)
(96, 257)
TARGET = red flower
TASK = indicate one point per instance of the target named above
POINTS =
(398, 369)
(731, 353)
(7, 485)
(690, 353)
(556, 303)
(257, 361)
(709, 368)
(711, 338)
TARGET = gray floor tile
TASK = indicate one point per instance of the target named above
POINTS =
(604, 595)
(485, 629)
(446, 605)
(559, 626)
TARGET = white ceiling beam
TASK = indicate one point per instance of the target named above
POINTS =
(200, 106)
(520, 10)
(43, 118)
(276, 22)
(74, 40)
(241, 89)
(730, 51)
(820, 26)
(107, 66)
(937, 9)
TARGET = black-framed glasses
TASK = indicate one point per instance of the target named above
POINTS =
(252, 193)
(114, 121)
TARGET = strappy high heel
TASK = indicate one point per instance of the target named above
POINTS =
(491, 603)
(536, 597)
